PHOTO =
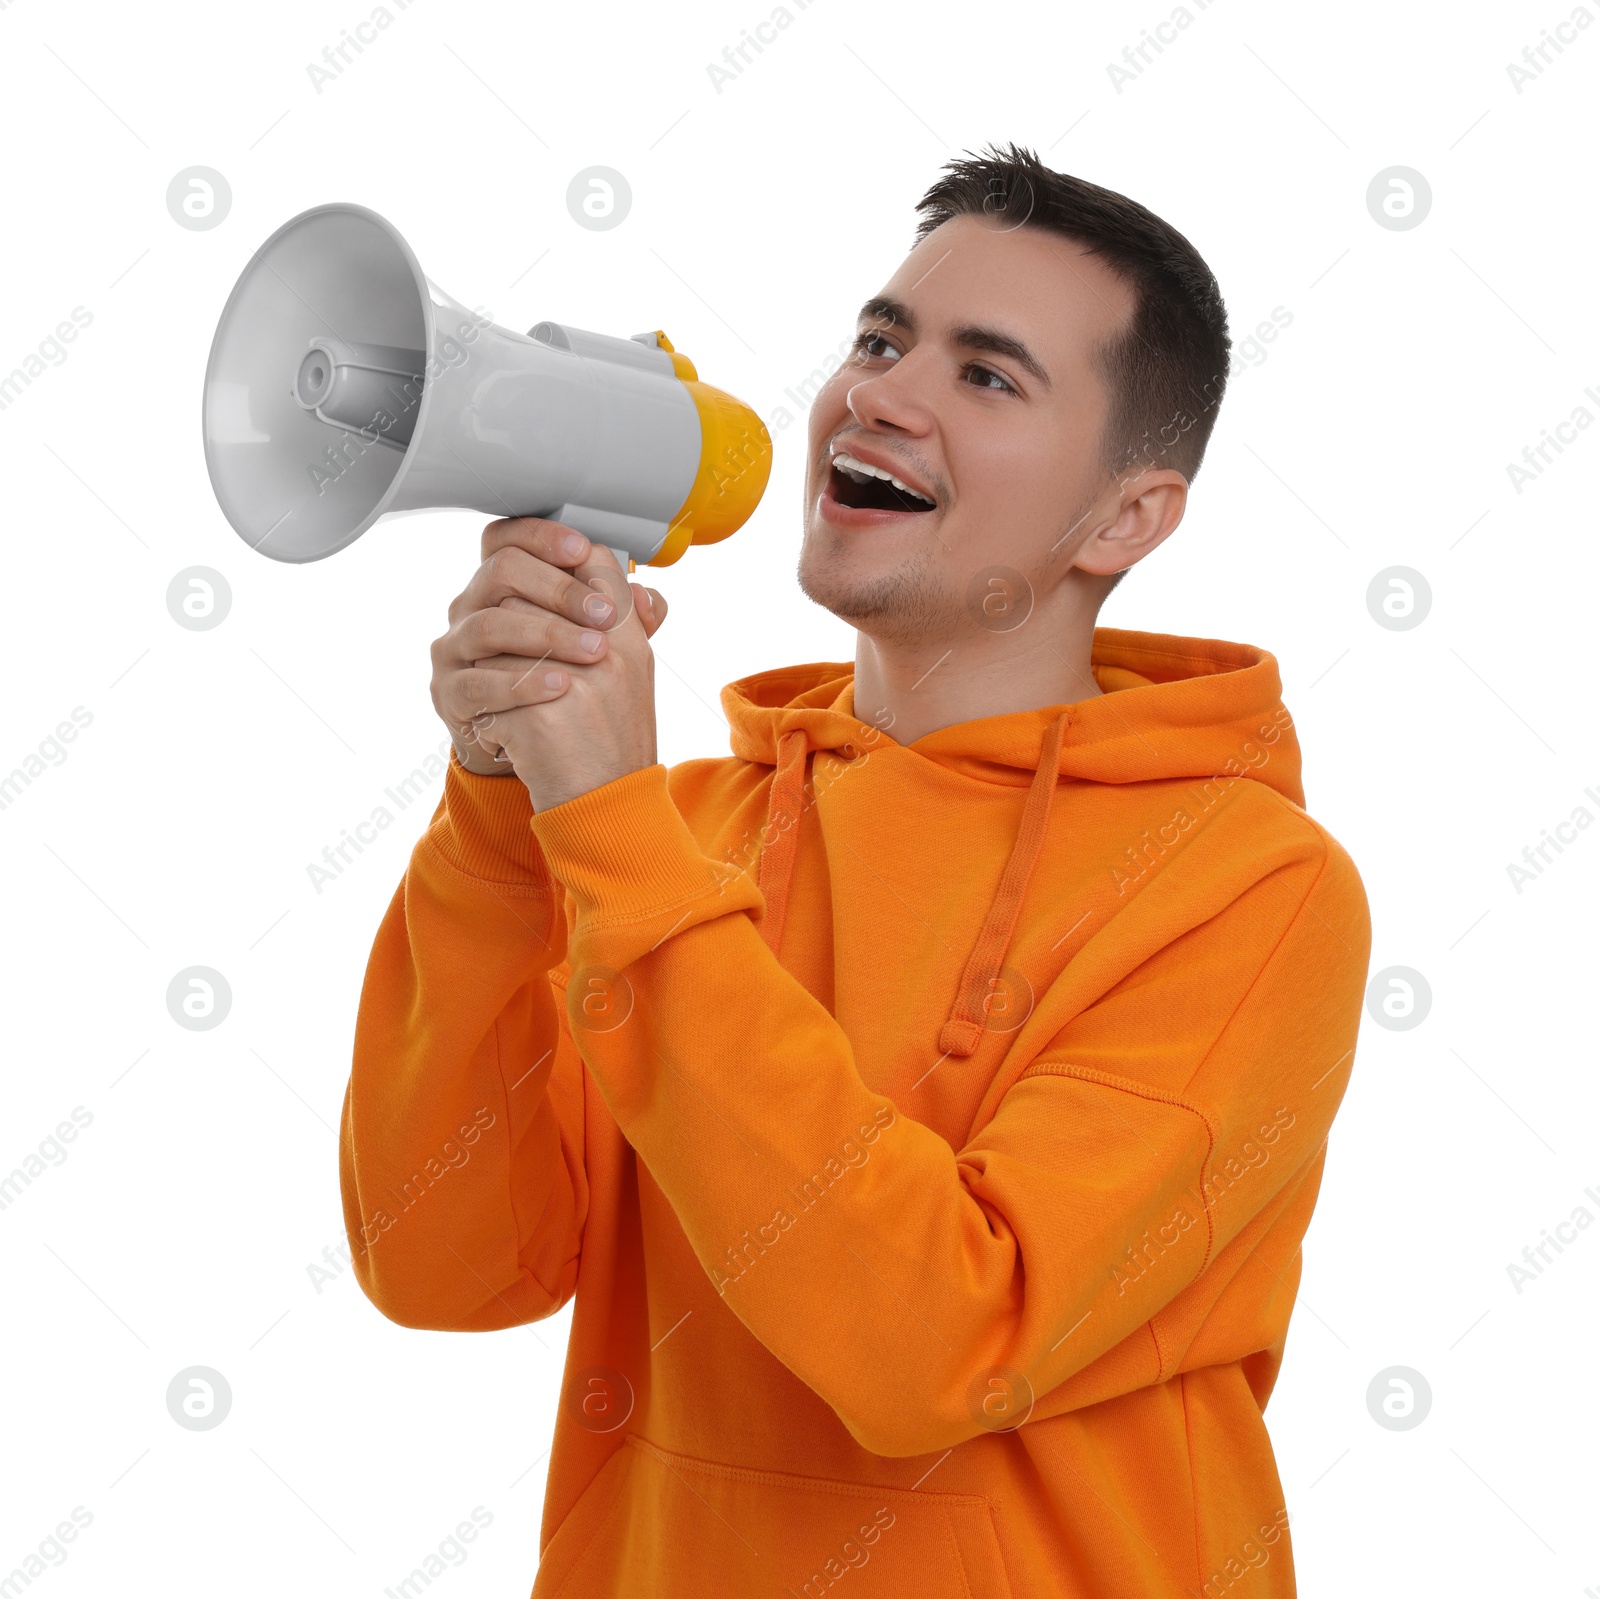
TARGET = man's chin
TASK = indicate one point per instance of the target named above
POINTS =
(898, 602)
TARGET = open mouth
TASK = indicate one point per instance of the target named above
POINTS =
(854, 484)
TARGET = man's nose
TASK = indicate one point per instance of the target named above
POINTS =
(893, 401)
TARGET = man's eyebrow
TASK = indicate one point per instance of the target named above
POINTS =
(968, 336)
(883, 309)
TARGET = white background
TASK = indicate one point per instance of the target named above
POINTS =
(1375, 431)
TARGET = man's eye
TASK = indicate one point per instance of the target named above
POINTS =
(989, 372)
(988, 378)
(864, 341)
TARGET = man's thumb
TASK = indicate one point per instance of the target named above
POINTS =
(652, 607)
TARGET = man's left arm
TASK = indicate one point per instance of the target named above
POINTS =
(920, 1286)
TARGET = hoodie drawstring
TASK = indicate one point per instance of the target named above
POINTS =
(783, 831)
(964, 1026)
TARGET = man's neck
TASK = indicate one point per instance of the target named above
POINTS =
(912, 689)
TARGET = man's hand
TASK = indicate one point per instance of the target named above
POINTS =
(546, 668)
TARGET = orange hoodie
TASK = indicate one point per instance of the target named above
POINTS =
(926, 1131)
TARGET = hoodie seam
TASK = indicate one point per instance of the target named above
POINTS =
(1146, 1090)
(1278, 943)
(1222, 1032)
(1155, 652)
(1150, 1091)
(1128, 1085)
(1194, 1486)
(521, 887)
(595, 924)
(1164, 1096)
(1155, 1339)
(953, 1544)
(511, 1160)
(581, 1554)
(800, 1482)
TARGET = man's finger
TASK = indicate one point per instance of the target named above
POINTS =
(554, 542)
(512, 574)
(651, 606)
(602, 572)
(517, 628)
(508, 684)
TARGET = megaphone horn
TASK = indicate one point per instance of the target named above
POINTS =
(344, 386)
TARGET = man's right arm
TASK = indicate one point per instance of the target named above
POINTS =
(461, 1156)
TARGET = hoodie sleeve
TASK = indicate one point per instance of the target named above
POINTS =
(461, 1151)
(930, 1293)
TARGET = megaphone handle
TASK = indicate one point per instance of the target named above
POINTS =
(624, 560)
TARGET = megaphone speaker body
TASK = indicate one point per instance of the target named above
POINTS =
(344, 386)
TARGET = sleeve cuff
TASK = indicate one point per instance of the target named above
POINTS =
(634, 870)
(481, 828)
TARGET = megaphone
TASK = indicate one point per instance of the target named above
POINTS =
(344, 386)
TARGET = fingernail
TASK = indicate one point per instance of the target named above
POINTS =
(573, 544)
(554, 679)
(597, 606)
(589, 641)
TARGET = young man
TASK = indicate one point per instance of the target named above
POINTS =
(925, 1105)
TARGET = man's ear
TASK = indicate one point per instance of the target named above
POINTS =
(1152, 506)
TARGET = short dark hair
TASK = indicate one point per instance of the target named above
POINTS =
(1167, 369)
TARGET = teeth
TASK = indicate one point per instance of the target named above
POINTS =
(861, 471)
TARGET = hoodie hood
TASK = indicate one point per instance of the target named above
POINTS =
(1170, 708)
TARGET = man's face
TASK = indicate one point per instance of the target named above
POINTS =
(1005, 441)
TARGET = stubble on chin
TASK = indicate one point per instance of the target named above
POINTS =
(904, 605)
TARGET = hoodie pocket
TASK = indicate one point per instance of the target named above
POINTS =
(594, 1510)
(672, 1526)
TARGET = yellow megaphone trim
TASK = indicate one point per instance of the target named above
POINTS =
(735, 463)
